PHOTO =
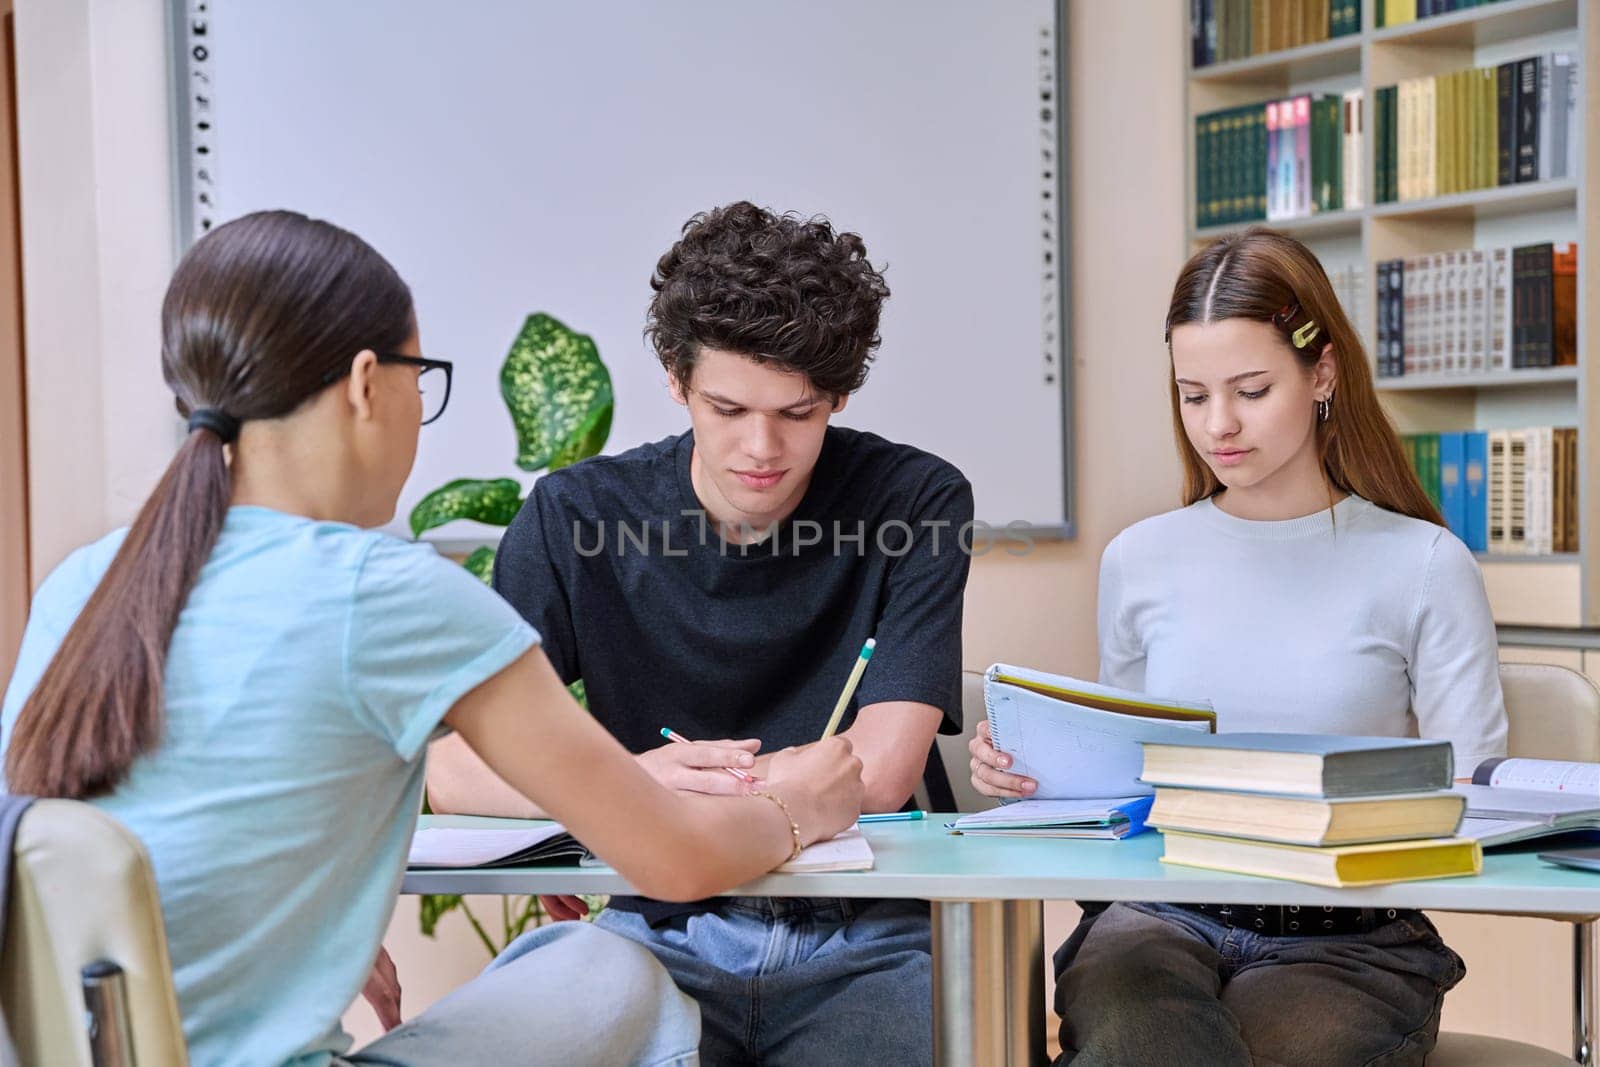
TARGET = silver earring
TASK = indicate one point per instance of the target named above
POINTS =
(1324, 406)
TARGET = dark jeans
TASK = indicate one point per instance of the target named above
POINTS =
(808, 982)
(1155, 983)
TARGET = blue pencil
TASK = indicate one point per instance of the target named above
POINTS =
(894, 816)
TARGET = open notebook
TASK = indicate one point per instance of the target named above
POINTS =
(1077, 739)
(1513, 800)
(483, 842)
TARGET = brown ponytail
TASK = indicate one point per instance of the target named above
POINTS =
(257, 316)
(1255, 275)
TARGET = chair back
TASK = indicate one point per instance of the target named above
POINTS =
(81, 891)
(1551, 713)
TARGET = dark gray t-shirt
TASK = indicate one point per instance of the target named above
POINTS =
(631, 589)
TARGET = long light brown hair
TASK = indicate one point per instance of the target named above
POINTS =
(260, 315)
(1267, 276)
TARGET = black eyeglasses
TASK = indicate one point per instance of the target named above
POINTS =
(433, 381)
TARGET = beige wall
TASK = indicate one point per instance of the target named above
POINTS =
(97, 250)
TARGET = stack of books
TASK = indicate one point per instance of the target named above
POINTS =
(1334, 811)
(1221, 30)
(1476, 128)
(1478, 310)
(1511, 492)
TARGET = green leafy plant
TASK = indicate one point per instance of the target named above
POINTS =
(559, 395)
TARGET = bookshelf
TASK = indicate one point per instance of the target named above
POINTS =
(1553, 590)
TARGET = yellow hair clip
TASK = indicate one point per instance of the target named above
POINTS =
(1304, 334)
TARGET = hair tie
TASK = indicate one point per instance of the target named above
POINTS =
(225, 426)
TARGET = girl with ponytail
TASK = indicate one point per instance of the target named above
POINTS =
(248, 678)
(1307, 585)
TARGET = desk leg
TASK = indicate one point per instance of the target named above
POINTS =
(1024, 920)
(969, 983)
(1585, 986)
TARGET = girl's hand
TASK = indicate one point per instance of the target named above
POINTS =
(990, 774)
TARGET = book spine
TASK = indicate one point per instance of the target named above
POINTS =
(1381, 302)
(1560, 97)
(1564, 293)
(1428, 138)
(1506, 122)
(1302, 156)
(1528, 119)
(1452, 485)
(1500, 309)
(1397, 311)
(1541, 328)
(1475, 473)
(1499, 492)
(1546, 114)
(1520, 308)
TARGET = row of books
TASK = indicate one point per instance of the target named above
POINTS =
(1477, 310)
(1476, 128)
(1350, 287)
(1220, 30)
(1279, 160)
(1398, 12)
(1511, 492)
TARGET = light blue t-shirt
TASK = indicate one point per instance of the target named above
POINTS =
(309, 667)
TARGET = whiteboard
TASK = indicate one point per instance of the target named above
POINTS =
(511, 157)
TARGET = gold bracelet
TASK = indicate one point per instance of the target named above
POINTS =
(794, 827)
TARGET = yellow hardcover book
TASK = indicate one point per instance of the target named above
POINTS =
(1405, 140)
(1462, 157)
(1489, 148)
(1399, 12)
(1336, 866)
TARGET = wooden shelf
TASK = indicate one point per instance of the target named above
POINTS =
(1489, 24)
(1311, 62)
(1501, 557)
(1484, 203)
(1508, 379)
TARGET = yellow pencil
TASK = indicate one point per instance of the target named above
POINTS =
(850, 687)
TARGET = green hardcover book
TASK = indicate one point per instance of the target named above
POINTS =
(1258, 162)
(1394, 142)
(1430, 458)
(1380, 145)
(1335, 105)
(1202, 170)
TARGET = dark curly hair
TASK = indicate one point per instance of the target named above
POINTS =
(776, 288)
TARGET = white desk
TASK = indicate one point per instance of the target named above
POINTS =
(988, 936)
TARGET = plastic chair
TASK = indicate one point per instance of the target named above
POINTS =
(81, 894)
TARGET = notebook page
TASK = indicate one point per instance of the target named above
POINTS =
(848, 851)
(453, 847)
(1548, 776)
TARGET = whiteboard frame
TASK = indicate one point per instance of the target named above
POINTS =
(191, 148)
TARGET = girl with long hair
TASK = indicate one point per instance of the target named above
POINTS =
(1307, 585)
(248, 679)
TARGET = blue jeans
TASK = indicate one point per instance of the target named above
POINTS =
(1155, 983)
(801, 981)
(562, 994)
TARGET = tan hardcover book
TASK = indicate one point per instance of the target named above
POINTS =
(1558, 490)
(1260, 26)
(1572, 491)
(1406, 140)
(1346, 865)
(1500, 491)
(1427, 137)
(1308, 820)
(1488, 147)
(1307, 765)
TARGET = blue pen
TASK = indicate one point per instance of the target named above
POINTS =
(894, 816)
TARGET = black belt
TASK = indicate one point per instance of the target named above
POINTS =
(1296, 920)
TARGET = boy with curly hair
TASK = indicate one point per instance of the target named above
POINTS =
(721, 582)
